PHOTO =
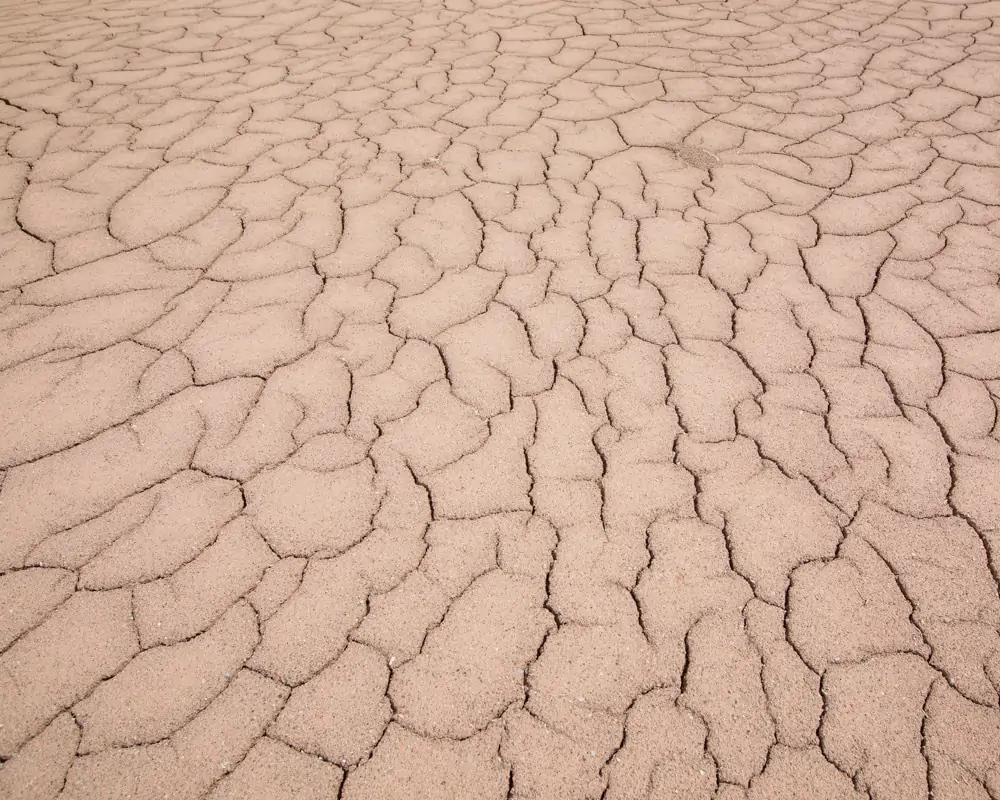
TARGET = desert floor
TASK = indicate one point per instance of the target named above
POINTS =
(466, 399)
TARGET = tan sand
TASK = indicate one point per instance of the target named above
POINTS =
(471, 399)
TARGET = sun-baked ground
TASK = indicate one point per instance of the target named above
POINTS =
(468, 400)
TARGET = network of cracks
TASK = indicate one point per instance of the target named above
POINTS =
(473, 399)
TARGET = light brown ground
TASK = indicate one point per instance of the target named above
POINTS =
(480, 399)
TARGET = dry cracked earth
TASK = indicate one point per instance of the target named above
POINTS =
(457, 399)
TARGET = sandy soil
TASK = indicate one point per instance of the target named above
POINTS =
(469, 399)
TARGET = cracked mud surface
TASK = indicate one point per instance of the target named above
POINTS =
(499, 400)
